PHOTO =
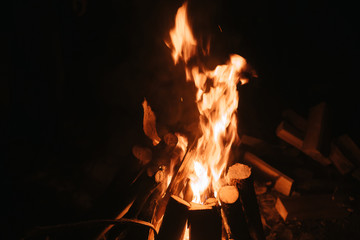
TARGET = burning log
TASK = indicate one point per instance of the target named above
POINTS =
(174, 220)
(233, 214)
(283, 183)
(204, 222)
(317, 139)
(172, 189)
(309, 207)
(240, 175)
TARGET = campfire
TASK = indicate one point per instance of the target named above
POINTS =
(211, 180)
(198, 194)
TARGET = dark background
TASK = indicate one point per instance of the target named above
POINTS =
(74, 74)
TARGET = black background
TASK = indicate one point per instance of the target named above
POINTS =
(72, 87)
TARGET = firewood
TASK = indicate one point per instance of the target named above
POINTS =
(256, 145)
(343, 165)
(174, 220)
(173, 189)
(309, 207)
(317, 137)
(283, 183)
(290, 135)
(204, 222)
(241, 176)
(142, 189)
(233, 214)
(250, 140)
(148, 187)
(349, 148)
(295, 119)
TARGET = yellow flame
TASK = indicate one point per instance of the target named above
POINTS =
(217, 106)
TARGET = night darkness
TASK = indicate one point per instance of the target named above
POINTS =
(74, 74)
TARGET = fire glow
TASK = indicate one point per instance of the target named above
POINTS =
(216, 104)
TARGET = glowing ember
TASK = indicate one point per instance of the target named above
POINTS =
(217, 106)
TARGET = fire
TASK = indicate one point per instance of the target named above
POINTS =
(181, 36)
(216, 104)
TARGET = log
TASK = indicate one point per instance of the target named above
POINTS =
(143, 187)
(343, 165)
(174, 220)
(233, 214)
(295, 119)
(349, 148)
(317, 136)
(148, 187)
(256, 145)
(309, 207)
(240, 175)
(204, 222)
(283, 183)
(290, 135)
(179, 172)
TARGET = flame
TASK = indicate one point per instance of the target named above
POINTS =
(182, 144)
(199, 181)
(149, 123)
(184, 43)
(216, 104)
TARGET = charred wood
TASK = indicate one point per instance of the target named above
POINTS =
(174, 220)
(205, 222)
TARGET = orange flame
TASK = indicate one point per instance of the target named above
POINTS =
(217, 106)
(181, 36)
(149, 123)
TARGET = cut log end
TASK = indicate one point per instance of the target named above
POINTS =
(238, 172)
(228, 194)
